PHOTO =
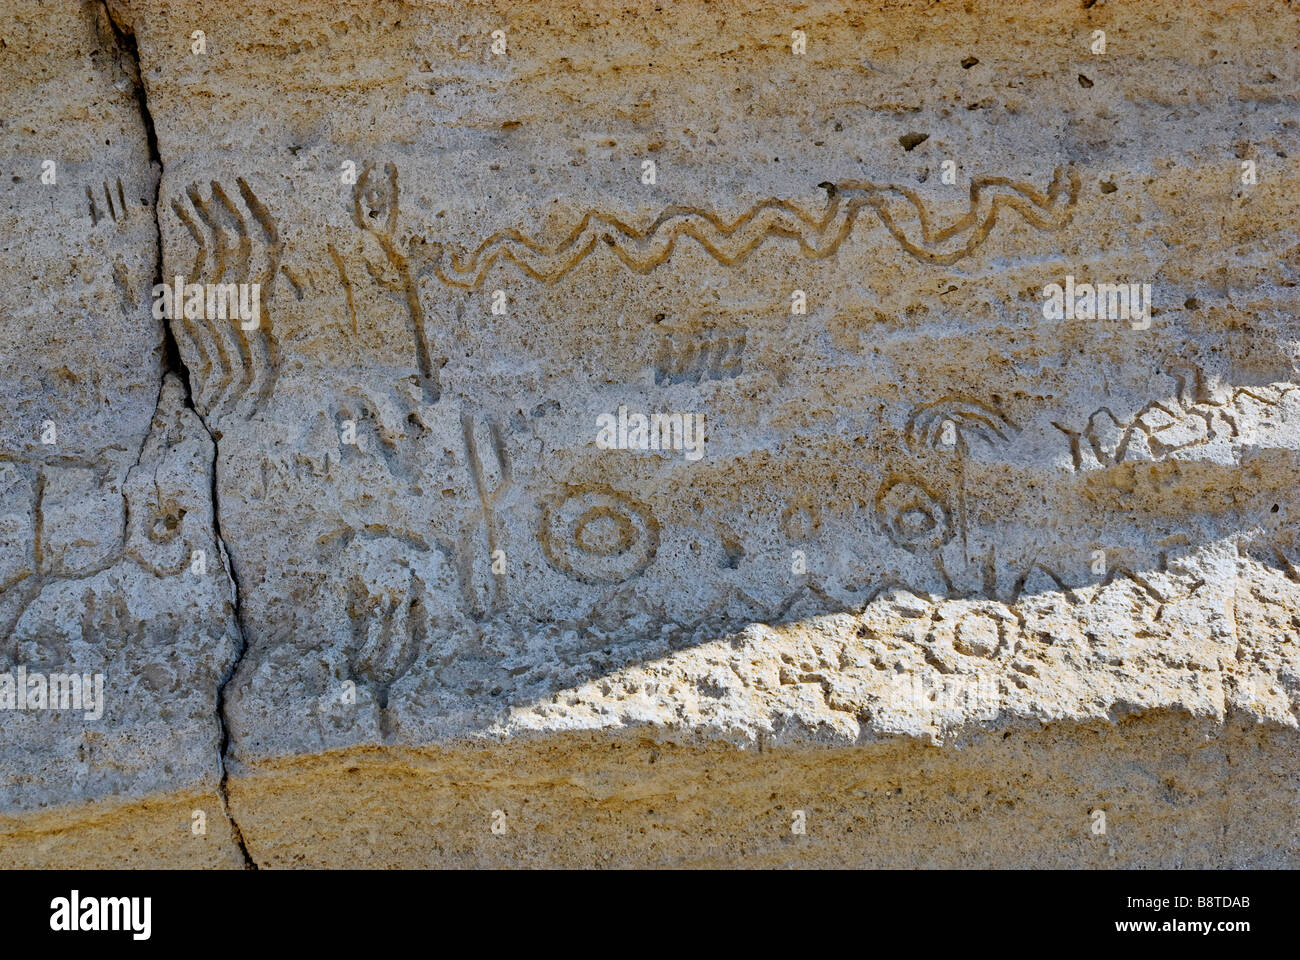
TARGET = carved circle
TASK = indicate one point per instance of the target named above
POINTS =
(912, 516)
(598, 536)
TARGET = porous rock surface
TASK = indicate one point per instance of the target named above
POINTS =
(951, 581)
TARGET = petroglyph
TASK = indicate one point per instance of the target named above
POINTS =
(597, 535)
(375, 209)
(1193, 418)
(691, 358)
(899, 209)
(912, 516)
(953, 422)
(114, 208)
(428, 536)
(493, 481)
(237, 367)
(387, 584)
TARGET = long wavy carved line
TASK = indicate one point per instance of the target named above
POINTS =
(899, 209)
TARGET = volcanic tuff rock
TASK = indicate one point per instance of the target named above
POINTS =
(930, 573)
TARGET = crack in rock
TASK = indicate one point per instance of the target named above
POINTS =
(129, 57)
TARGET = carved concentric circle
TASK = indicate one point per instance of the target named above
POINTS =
(597, 535)
(912, 516)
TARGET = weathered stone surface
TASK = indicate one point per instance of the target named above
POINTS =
(105, 471)
(1021, 567)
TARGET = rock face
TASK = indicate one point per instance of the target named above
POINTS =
(664, 434)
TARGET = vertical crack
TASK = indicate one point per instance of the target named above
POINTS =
(128, 57)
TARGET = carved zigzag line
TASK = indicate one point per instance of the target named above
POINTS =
(641, 250)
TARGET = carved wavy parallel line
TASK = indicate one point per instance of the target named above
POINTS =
(243, 249)
(223, 369)
(191, 332)
(275, 250)
(731, 242)
(233, 246)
